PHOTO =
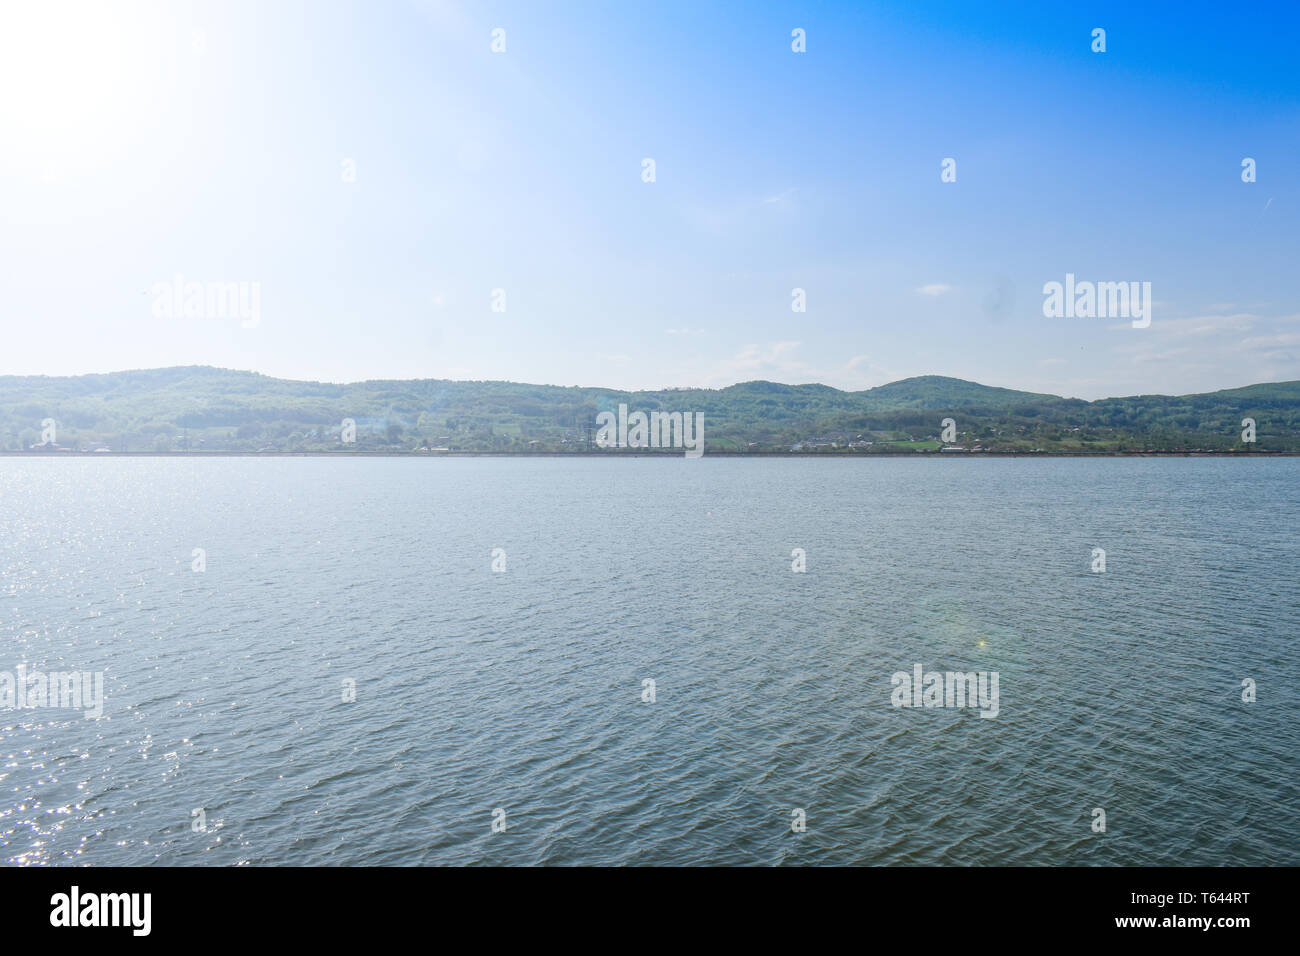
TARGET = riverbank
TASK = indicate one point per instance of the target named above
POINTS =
(669, 453)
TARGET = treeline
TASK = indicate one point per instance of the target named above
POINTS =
(201, 408)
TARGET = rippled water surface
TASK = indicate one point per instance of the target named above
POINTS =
(522, 689)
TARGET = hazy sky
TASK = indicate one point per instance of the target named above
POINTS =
(141, 141)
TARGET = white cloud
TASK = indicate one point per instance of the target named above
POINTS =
(934, 289)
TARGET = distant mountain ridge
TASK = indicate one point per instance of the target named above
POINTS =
(200, 407)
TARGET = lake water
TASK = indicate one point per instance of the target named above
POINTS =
(523, 689)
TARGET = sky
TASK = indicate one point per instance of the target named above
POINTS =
(408, 202)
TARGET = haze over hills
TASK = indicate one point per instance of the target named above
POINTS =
(204, 408)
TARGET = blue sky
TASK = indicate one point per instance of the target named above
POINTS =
(143, 140)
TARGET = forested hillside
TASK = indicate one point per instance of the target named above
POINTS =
(201, 408)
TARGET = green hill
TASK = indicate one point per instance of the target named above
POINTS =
(940, 392)
(202, 408)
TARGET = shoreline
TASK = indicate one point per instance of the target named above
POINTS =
(641, 454)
